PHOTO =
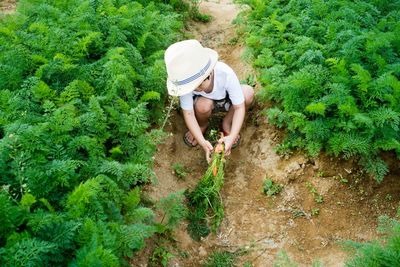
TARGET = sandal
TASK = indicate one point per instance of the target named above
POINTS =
(237, 143)
(186, 140)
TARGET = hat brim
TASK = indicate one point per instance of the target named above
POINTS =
(189, 87)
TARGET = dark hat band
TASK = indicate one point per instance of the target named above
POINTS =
(194, 77)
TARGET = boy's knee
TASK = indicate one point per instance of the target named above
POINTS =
(248, 93)
(203, 107)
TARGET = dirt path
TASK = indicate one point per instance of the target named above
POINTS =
(292, 221)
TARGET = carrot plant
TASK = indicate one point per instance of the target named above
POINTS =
(332, 69)
(382, 252)
(81, 82)
(205, 203)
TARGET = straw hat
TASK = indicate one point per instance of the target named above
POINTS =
(188, 64)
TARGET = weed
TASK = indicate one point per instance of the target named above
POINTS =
(180, 170)
(388, 197)
(271, 188)
(197, 16)
(160, 257)
(184, 254)
(195, 13)
(298, 213)
(221, 259)
(317, 197)
(250, 80)
(339, 203)
(283, 260)
(174, 210)
(314, 211)
(233, 41)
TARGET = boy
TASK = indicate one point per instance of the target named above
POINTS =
(204, 84)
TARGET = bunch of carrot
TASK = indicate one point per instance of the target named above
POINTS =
(205, 202)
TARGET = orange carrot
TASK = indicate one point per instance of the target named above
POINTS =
(215, 170)
(219, 148)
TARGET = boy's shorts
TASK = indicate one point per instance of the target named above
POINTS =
(222, 105)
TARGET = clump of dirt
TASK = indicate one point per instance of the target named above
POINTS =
(7, 6)
(323, 201)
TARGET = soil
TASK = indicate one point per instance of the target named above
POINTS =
(254, 222)
(7, 6)
(292, 220)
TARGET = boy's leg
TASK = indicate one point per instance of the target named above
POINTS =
(248, 93)
(202, 108)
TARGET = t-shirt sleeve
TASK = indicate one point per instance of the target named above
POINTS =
(234, 89)
(186, 101)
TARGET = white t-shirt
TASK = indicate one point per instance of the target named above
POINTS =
(225, 80)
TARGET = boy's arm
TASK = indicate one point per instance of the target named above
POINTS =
(194, 128)
(237, 121)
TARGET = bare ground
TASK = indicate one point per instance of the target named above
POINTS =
(7, 6)
(265, 225)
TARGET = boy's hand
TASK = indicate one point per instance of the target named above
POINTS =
(228, 141)
(208, 148)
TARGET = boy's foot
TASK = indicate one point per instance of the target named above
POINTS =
(237, 141)
(189, 140)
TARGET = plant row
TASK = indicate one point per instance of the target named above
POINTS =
(332, 68)
(81, 83)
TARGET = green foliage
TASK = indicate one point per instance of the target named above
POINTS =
(271, 188)
(179, 170)
(205, 203)
(98, 198)
(332, 70)
(221, 259)
(318, 198)
(384, 252)
(131, 238)
(283, 260)
(173, 209)
(28, 252)
(95, 256)
(195, 14)
(81, 84)
(11, 216)
(160, 257)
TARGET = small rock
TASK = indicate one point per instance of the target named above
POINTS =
(202, 252)
(362, 236)
(291, 222)
(294, 166)
(173, 263)
(301, 161)
(316, 165)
